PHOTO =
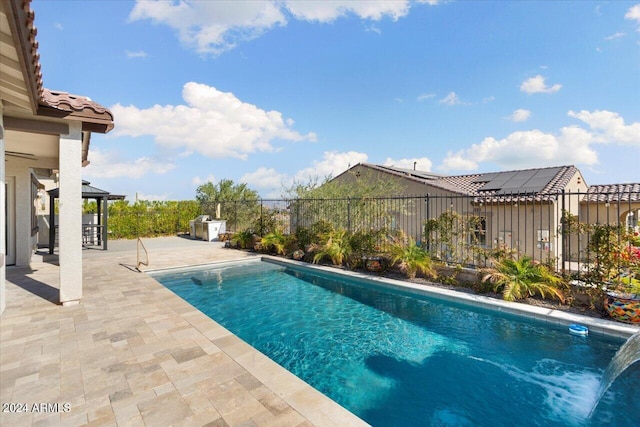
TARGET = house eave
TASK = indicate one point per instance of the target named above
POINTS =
(20, 18)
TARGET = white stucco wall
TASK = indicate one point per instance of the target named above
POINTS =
(70, 213)
(21, 170)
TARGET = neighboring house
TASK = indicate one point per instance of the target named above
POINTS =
(43, 133)
(520, 209)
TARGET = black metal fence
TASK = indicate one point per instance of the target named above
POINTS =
(460, 229)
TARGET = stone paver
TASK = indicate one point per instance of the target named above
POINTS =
(132, 353)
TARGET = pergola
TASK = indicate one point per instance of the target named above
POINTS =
(89, 231)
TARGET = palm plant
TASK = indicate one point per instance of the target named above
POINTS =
(337, 247)
(411, 258)
(275, 241)
(244, 239)
(522, 277)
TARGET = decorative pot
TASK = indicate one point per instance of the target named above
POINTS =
(623, 307)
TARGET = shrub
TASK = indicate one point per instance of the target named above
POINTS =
(521, 278)
(337, 247)
(275, 241)
(411, 258)
(244, 239)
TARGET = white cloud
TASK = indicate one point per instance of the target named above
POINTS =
(213, 27)
(526, 149)
(137, 54)
(199, 181)
(610, 127)
(424, 96)
(633, 14)
(452, 99)
(107, 165)
(264, 178)
(332, 164)
(328, 11)
(456, 162)
(614, 36)
(58, 26)
(152, 197)
(373, 29)
(534, 148)
(422, 163)
(213, 123)
(520, 115)
(537, 85)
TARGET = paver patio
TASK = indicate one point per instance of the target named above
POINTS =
(133, 353)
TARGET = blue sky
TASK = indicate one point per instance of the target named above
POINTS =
(267, 92)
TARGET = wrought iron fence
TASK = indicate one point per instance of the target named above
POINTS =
(464, 230)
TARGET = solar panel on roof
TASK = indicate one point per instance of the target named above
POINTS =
(487, 177)
(498, 181)
(529, 181)
(493, 185)
(539, 181)
(526, 174)
(550, 172)
(517, 182)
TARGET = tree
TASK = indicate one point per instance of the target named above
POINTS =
(301, 189)
(235, 203)
(356, 203)
(224, 191)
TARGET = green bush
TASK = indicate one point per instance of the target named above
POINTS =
(150, 219)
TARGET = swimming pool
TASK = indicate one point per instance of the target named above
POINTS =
(396, 358)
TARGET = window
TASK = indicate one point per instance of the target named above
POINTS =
(479, 231)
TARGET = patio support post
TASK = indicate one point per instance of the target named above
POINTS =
(70, 215)
(98, 230)
(52, 224)
(3, 219)
(105, 213)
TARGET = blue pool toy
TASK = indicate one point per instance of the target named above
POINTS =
(576, 329)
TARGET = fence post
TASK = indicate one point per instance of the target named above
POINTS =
(261, 220)
(427, 216)
(563, 235)
(349, 214)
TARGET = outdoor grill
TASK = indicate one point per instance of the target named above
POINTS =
(205, 228)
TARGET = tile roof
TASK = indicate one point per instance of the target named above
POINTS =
(613, 193)
(411, 174)
(94, 116)
(67, 102)
(33, 45)
(472, 185)
(539, 184)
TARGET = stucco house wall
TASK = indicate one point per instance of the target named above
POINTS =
(22, 171)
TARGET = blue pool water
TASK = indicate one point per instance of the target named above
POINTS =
(397, 359)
